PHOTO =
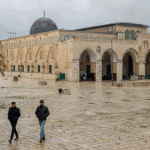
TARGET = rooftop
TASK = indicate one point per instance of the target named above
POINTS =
(117, 23)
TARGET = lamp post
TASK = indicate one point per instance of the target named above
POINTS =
(111, 51)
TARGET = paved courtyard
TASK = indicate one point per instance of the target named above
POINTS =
(95, 117)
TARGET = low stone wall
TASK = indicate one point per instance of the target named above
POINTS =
(132, 83)
(32, 75)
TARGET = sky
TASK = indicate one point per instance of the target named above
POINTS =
(19, 15)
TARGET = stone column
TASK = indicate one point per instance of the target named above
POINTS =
(75, 70)
(142, 68)
(43, 68)
(25, 67)
(99, 71)
(47, 67)
(35, 66)
(119, 70)
(32, 68)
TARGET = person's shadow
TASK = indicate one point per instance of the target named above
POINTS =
(42, 145)
(13, 146)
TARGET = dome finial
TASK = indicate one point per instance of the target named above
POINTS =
(44, 13)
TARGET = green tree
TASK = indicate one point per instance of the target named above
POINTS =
(2, 65)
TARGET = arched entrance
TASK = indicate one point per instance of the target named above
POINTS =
(87, 66)
(109, 65)
(129, 65)
(147, 66)
(106, 66)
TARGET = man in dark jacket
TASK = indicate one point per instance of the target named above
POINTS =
(42, 113)
(13, 115)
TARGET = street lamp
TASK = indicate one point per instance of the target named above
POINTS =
(111, 52)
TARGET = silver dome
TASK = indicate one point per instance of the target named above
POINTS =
(43, 25)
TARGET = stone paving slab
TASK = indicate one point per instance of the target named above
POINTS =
(95, 116)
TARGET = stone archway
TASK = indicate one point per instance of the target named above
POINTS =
(87, 66)
(20, 60)
(29, 60)
(109, 65)
(106, 66)
(147, 65)
(129, 65)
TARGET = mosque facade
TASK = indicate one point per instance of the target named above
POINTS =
(98, 53)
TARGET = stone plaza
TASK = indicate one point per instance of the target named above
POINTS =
(96, 116)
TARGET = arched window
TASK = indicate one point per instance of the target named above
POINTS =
(30, 56)
(36, 42)
(32, 42)
(48, 40)
(53, 54)
(56, 38)
(127, 34)
(20, 44)
(12, 46)
(40, 41)
(20, 56)
(26, 43)
(52, 40)
(137, 32)
(66, 38)
(44, 41)
(41, 55)
(12, 57)
(132, 35)
(145, 44)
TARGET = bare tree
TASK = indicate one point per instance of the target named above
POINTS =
(2, 65)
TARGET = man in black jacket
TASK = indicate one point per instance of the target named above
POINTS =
(13, 115)
(42, 113)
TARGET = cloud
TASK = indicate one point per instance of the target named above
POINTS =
(19, 15)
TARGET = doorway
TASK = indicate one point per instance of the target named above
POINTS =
(87, 66)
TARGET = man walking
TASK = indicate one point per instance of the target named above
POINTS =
(42, 113)
(13, 116)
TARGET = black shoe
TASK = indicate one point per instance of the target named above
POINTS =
(16, 138)
(9, 141)
(43, 138)
(40, 141)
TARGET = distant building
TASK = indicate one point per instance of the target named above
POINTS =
(47, 51)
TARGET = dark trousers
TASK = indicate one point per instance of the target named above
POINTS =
(13, 124)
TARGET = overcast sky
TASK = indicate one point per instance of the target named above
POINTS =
(19, 15)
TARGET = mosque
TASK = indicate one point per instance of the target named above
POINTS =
(98, 53)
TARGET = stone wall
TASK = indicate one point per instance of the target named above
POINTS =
(65, 52)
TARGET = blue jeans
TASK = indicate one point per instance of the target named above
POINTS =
(42, 123)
